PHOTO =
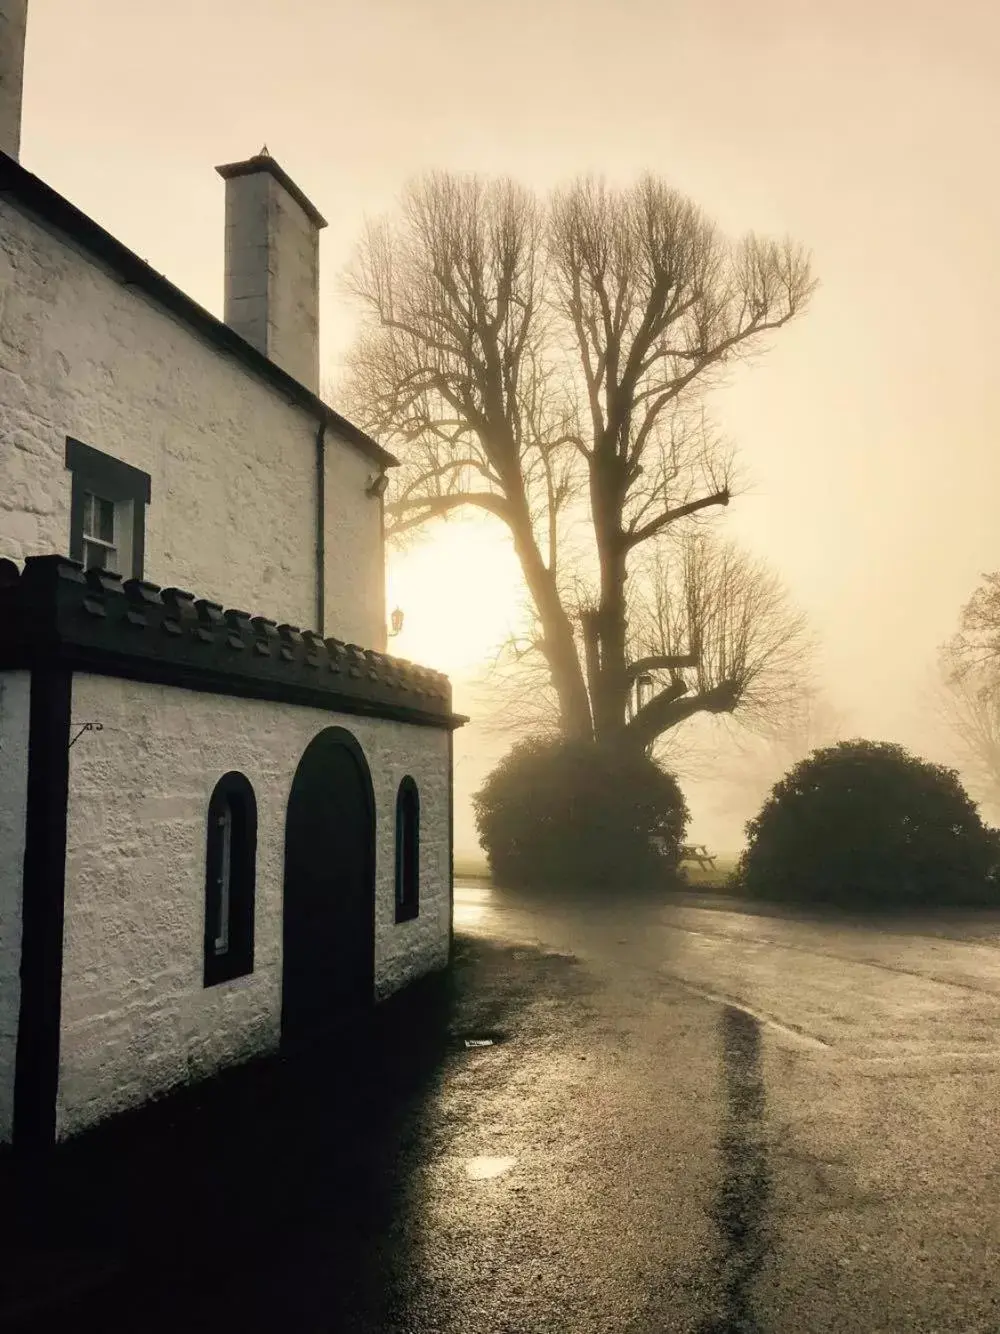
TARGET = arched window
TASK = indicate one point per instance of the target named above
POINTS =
(230, 870)
(407, 851)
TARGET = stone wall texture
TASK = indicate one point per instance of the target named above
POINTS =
(15, 701)
(232, 462)
(136, 1019)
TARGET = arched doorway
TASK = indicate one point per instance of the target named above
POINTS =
(328, 918)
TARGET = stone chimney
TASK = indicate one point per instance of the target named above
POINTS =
(272, 265)
(13, 25)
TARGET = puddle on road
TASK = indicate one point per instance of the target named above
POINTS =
(470, 914)
(483, 1169)
(472, 904)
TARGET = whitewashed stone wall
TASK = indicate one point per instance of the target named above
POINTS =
(15, 700)
(136, 1018)
(354, 556)
(232, 462)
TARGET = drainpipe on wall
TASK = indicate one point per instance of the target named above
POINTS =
(320, 527)
(384, 567)
(451, 846)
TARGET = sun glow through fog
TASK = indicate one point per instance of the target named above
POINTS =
(461, 594)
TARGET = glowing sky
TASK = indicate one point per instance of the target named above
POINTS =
(868, 131)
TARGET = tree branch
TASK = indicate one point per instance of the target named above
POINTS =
(670, 708)
(638, 535)
(661, 662)
(436, 507)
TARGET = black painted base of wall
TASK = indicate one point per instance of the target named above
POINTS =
(193, 1170)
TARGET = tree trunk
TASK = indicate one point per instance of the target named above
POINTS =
(609, 692)
(559, 644)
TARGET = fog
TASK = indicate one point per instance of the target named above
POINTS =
(868, 133)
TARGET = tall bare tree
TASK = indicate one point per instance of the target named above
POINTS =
(967, 695)
(547, 364)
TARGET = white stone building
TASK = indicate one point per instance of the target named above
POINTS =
(219, 834)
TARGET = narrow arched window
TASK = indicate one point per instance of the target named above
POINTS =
(407, 851)
(230, 872)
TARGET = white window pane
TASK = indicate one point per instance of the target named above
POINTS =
(105, 519)
(98, 517)
(95, 557)
(225, 870)
(100, 544)
(100, 557)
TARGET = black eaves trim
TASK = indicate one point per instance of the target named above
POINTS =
(54, 209)
(91, 621)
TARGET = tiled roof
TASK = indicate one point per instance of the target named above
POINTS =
(55, 611)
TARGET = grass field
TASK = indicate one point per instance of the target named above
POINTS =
(471, 868)
(713, 878)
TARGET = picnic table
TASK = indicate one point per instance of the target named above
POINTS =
(689, 852)
(697, 852)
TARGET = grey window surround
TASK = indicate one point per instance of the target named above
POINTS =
(111, 479)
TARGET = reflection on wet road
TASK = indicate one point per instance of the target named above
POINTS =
(853, 987)
(855, 1123)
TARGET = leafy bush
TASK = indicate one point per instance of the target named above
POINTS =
(866, 824)
(573, 813)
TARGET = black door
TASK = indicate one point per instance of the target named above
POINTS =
(328, 965)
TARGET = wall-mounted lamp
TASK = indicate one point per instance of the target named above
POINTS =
(377, 485)
(396, 623)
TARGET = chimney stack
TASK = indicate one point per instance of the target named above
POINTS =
(13, 26)
(272, 265)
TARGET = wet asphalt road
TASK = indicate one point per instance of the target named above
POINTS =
(690, 1119)
(787, 1125)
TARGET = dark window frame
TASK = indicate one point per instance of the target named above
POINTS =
(113, 480)
(234, 792)
(407, 878)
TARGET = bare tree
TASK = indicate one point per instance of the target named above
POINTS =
(748, 646)
(968, 705)
(966, 700)
(546, 365)
(752, 646)
(976, 646)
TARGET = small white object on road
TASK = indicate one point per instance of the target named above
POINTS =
(481, 1169)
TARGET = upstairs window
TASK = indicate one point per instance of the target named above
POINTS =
(107, 541)
(407, 851)
(107, 511)
(230, 872)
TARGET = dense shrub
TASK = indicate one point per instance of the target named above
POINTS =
(866, 824)
(573, 813)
